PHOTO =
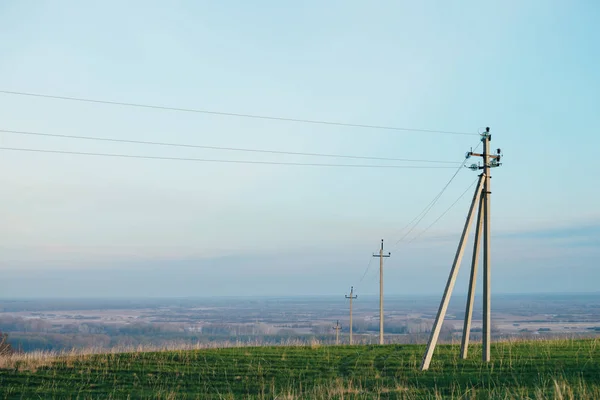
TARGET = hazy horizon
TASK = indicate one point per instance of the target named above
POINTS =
(371, 297)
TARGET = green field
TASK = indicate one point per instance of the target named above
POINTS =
(566, 369)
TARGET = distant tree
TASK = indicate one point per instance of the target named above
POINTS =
(286, 332)
(5, 347)
(320, 329)
(495, 329)
(447, 328)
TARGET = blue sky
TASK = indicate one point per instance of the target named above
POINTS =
(76, 225)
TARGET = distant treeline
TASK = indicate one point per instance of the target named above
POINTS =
(28, 334)
(27, 342)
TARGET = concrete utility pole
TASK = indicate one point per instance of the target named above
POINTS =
(487, 293)
(337, 328)
(464, 344)
(481, 200)
(351, 297)
(381, 257)
(439, 319)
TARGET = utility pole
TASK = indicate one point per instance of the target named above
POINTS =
(351, 297)
(381, 257)
(487, 283)
(464, 344)
(481, 201)
(337, 328)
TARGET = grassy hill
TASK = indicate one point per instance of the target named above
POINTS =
(566, 369)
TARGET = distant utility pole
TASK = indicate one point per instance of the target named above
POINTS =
(381, 257)
(481, 201)
(337, 328)
(351, 297)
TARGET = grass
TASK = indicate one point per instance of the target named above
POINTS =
(559, 369)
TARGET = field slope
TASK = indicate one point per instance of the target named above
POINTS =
(537, 370)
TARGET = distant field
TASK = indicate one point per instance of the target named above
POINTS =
(566, 369)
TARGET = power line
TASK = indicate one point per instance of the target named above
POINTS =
(367, 269)
(429, 206)
(219, 160)
(369, 266)
(444, 213)
(231, 114)
(93, 138)
(375, 275)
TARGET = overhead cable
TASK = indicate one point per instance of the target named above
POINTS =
(186, 145)
(444, 213)
(219, 160)
(231, 114)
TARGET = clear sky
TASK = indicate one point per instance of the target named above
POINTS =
(86, 226)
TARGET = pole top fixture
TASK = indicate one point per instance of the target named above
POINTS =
(486, 134)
